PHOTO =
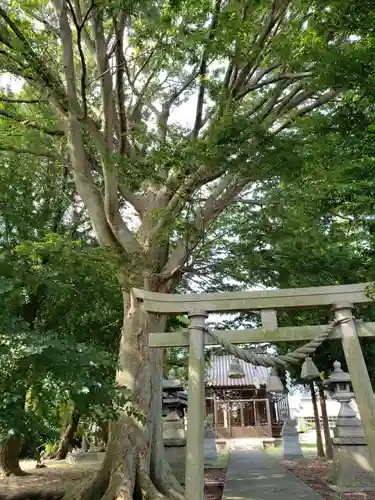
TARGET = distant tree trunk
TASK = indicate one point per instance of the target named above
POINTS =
(319, 440)
(327, 434)
(103, 433)
(10, 451)
(66, 438)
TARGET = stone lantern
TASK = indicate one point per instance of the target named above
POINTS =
(339, 384)
(174, 433)
(351, 470)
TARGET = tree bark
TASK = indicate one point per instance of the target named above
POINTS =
(66, 438)
(103, 432)
(10, 451)
(134, 465)
(327, 434)
(319, 440)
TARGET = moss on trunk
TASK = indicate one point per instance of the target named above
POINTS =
(10, 451)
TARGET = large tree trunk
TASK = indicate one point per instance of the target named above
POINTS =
(66, 438)
(10, 451)
(319, 440)
(135, 466)
(327, 434)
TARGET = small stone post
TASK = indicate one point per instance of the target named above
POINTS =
(359, 375)
(194, 479)
(291, 445)
(85, 444)
(210, 451)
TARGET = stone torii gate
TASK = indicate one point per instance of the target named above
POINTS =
(342, 300)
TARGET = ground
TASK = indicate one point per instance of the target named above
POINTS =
(314, 473)
(59, 476)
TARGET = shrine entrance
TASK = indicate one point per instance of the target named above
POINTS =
(341, 299)
(243, 418)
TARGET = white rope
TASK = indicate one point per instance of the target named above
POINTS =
(294, 357)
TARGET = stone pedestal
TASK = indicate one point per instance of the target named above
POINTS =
(210, 451)
(85, 457)
(351, 469)
(174, 435)
(291, 444)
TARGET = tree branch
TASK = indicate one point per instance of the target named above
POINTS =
(119, 30)
(42, 74)
(277, 78)
(106, 219)
(23, 101)
(68, 55)
(323, 99)
(128, 196)
(82, 21)
(272, 19)
(13, 149)
(29, 124)
(224, 193)
(286, 100)
(79, 28)
(111, 203)
(175, 203)
(203, 71)
(86, 187)
(271, 102)
(167, 105)
(53, 30)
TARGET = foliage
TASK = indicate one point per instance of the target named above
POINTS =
(74, 326)
(313, 227)
(61, 309)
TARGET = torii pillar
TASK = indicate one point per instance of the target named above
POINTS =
(194, 478)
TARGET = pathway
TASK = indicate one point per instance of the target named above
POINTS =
(252, 475)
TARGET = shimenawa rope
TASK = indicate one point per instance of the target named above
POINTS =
(294, 357)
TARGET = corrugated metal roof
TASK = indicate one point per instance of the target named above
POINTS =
(217, 373)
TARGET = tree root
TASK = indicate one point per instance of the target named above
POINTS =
(162, 474)
(34, 495)
(149, 490)
(121, 486)
(166, 482)
(15, 473)
(91, 489)
(116, 485)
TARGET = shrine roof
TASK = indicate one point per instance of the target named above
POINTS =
(217, 373)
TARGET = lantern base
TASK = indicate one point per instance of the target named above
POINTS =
(351, 469)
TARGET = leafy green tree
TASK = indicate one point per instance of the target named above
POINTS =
(61, 307)
(114, 77)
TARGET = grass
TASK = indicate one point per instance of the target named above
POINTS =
(221, 463)
(224, 458)
(308, 450)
